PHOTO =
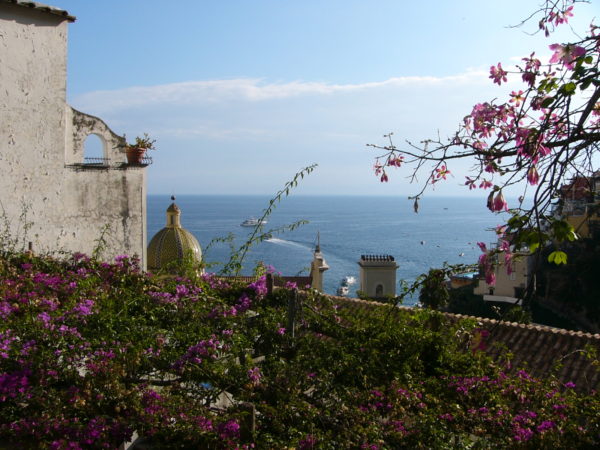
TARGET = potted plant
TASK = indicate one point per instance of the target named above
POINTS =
(136, 151)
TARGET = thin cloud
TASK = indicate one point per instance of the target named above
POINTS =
(212, 92)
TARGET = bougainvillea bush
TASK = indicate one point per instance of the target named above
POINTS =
(92, 352)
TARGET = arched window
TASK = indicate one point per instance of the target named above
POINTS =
(379, 290)
(93, 151)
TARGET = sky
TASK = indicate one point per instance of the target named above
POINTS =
(240, 95)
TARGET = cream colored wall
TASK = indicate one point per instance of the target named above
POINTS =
(41, 149)
(505, 283)
(371, 276)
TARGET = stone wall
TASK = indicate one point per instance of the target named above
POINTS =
(68, 201)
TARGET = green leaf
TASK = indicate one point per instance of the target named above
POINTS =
(569, 88)
(586, 84)
(547, 102)
(557, 257)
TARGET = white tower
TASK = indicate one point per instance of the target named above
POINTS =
(317, 267)
(378, 275)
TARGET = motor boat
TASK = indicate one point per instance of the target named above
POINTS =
(252, 222)
(343, 291)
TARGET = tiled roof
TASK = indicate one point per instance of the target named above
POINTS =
(302, 282)
(538, 348)
(41, 7)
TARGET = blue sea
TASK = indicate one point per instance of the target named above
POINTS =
(444, 230)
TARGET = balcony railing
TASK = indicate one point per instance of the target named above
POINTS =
(105, 164)
(96, 161)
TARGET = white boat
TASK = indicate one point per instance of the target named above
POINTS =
(343, 291)
(252, 222)
(350, 280)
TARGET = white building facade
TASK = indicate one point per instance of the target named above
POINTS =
(378, 275)
(49, 190)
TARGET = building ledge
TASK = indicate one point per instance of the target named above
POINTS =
(501, 299)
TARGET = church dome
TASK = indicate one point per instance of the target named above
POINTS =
(173, 242)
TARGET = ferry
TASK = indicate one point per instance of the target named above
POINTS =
(252, 222)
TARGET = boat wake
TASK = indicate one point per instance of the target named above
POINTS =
(278, 241)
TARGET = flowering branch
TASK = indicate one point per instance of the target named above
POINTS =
(542, 135)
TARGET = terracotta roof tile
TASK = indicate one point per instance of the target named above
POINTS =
(41, 7)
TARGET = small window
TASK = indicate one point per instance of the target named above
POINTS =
(93, 151)
(379, 290)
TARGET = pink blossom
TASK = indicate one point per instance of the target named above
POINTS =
(516, 97)
(490, 278)
(532, 176)
(395, 162)
(485, 184)
(560, 17)
(498, 74)
(566, 54)
(499, 203)
(441, 172)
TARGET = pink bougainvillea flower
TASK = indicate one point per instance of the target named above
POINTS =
(566, 54)
(533, 176)
(384, 178)
(498, 74)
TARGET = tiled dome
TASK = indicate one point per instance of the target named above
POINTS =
(172, 242)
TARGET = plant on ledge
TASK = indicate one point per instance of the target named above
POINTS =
(136, 151)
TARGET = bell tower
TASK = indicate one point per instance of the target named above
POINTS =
(317, 267)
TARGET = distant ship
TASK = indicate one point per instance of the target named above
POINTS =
(252, 222)
(344, 288)
(343, 291)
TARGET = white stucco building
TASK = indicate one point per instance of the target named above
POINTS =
(508, 287)
(378, 275)
(68, 199)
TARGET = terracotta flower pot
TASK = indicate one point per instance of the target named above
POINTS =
(135, 155)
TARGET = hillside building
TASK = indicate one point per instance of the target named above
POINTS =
(579, 204)
(378, 275)
(509, 287)
(50, 190)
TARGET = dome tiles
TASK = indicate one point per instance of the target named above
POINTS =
(173, 242)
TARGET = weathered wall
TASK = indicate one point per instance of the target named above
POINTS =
(69, 203)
